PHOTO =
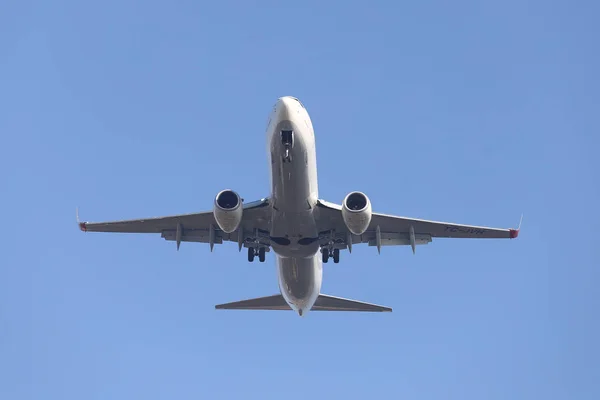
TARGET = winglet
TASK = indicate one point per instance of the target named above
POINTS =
(514, 233)
(82, 226)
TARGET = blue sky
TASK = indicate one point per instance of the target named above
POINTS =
(470, 112)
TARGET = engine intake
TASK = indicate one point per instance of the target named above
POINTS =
(228, 210)
(356, 212)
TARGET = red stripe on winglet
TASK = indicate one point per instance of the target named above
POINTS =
(82, 226)
(514, 233)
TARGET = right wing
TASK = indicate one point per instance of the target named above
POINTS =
(198, 227)
(391, 230)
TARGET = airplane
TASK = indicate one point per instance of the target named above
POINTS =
(303, 230)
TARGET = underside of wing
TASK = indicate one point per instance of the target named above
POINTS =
(150, 225)
(196, 227)
(440, 229)
(391, 230)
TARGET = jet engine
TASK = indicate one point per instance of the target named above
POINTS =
(356, 212)
(228, 210)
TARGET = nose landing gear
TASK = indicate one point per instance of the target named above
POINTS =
(287, 140)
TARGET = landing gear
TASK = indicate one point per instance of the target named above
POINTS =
(287, 157)
(326, 252)
(260, 252)
(287, 140)
(329, 248)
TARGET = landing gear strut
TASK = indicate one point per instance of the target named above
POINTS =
(260, 252)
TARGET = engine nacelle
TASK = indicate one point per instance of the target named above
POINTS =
(356, 212)
(228, 210)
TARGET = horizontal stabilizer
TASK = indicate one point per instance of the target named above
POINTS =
(323, 303)
(332, 303)
(276, 302)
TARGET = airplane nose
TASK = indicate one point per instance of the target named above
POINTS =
(284, 108)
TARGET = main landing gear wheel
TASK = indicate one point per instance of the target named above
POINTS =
(335, 253)
(325, 254)
(252, 252)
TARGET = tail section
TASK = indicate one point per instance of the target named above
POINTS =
(332, 303)
(323, 303)
(276, 302)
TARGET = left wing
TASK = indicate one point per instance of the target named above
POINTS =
(390, 230)
(198, 227)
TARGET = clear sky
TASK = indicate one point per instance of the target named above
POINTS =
(465, 111)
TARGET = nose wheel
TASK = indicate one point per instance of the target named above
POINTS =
(287, 140)
(335, 253)
(287, 156)
(253, 252)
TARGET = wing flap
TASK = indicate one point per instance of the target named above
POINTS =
(394, 239)
(331, 303)
(198, 236)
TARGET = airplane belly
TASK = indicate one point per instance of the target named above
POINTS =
(300, 281)
(294, 234)
(291, 186)
(293, 230)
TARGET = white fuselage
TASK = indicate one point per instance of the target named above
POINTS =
(294, 194)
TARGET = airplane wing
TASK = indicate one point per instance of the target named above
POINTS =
(197, 227)
(391, 230)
